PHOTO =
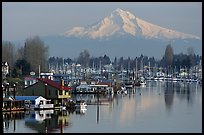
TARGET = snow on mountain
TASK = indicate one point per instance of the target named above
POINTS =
(122, 22)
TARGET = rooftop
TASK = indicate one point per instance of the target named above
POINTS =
(54, 84)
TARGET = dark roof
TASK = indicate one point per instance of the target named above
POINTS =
(26, 97)
(54, 84)
(14, 100)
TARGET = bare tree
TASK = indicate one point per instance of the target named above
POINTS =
(190, 51)
(20, 53)
(84, 58)
(191, 54)
(8, 53)
(36, 53)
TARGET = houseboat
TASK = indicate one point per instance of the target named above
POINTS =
(11, 104)
(35, 102)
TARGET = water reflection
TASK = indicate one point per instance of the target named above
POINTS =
(187, 91)
(169, 95)
(115, 113)
(46, 121)
(10, 118)
(181, 90)
(81, 111)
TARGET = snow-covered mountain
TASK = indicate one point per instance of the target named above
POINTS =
(122, 22)
(121, 34)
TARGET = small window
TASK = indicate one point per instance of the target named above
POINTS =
(41, 102)
(49, 92)
(48, 102)
(56, 92)
(60, 92)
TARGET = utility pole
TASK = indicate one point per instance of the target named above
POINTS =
(14, 91)
(39, 71)
(136, 69)
(149, 69)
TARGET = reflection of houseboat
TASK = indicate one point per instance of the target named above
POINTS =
(81, 111)
(122, 90)
(39, 115)
(44, 121)
(81, 104)
(142, 81)
(43, 114)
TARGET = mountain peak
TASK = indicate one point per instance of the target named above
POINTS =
(119, 10)
(121, 22)
(123, 13)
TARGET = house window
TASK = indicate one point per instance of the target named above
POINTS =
(48, 102)
(41, 102)
(60, 92)
(56, 92)
(49, 92)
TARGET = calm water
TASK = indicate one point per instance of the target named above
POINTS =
(157, 108)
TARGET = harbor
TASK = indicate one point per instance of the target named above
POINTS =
(132, 68)
(56, 89)
(143, 109)
(77, 97)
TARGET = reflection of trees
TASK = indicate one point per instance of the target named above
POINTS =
(169, 95)
(185, 91)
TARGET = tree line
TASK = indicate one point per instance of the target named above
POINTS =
(169, 60)
(34, 52)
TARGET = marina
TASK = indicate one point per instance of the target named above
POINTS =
(143, 109)
(75, 69)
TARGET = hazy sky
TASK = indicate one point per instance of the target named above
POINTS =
(22, 20)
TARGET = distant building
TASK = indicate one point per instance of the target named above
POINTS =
(58, 77)
(29, 81)
(83, 87)
(47, 75)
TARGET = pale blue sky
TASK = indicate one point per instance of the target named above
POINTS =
(22, 20)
